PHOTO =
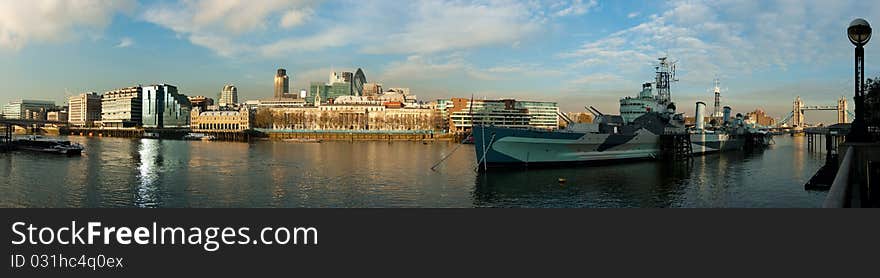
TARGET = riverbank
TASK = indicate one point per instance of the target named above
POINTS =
(249, 135)
(358, 136)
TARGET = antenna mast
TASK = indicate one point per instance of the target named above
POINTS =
(665, 76)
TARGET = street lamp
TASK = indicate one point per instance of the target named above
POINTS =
(859, 33)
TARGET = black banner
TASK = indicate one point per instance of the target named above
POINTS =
(446, 242)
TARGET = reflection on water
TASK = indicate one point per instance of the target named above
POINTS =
(116, 172)
(150, 167)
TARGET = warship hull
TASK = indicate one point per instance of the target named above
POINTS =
(498, 146)
(703, 143)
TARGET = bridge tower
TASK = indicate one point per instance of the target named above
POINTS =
(797, 118)
(841, 110)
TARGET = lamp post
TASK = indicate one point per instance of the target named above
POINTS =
(859, 33)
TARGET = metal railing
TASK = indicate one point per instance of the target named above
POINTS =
(839, 193)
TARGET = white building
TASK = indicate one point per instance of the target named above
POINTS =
(122, 107)
(461, 114)
(229, 95)
(84, 109)
(28, 109)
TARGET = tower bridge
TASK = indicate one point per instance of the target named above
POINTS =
(797, 119)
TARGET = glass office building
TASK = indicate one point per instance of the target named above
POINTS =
(164, 107)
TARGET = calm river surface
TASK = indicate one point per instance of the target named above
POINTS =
(117, 172)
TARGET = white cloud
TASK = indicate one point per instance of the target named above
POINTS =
(575, 7)
(437, 26)
(295, 17)
(24, 22)
(335, 37)
(220, 24)
(125, 42)
(229, 27)
(723, 37)
(632, 14)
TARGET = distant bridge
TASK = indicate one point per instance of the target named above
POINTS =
(797, 119)
(9, 124)
(26, 122)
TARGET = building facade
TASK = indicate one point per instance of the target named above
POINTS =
(122, 108)
(28, 109)
(544, 114)
(372, 89)
(57, 116)
(221, 121)
(202, 102)
(760, 117)
(460, 114)
(282, 84)
(322, 93)
(338, 84)
(349, 117)
(164, 107)
(84, 110)
(228, 96)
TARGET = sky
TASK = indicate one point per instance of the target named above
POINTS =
(574, 52)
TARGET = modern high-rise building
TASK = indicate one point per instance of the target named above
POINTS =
(339, 84)
(121, 108)
(282, 84)
(164, 107)
(229, 95)
(84, 109)
(28, 109)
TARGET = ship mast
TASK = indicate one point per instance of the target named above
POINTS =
(665, 76)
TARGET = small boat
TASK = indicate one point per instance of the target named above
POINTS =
(40, 144)
(151, 135)
(302, 140)
(199, 136)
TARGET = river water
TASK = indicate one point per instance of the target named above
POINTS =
(119, 172)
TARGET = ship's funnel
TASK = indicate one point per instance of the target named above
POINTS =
(700, 115)
(726, 115)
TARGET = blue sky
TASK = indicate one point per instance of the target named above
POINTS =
(574, 52)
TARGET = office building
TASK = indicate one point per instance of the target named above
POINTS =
(282, 84)
(545, 115)
(28, 109)
(84, 110)
(228, 96)
(122, 108)
(339, 84)
(57, 116)
(164, 107)
(460, 114)
(372, 89)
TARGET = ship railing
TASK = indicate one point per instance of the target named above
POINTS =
(674, 131)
